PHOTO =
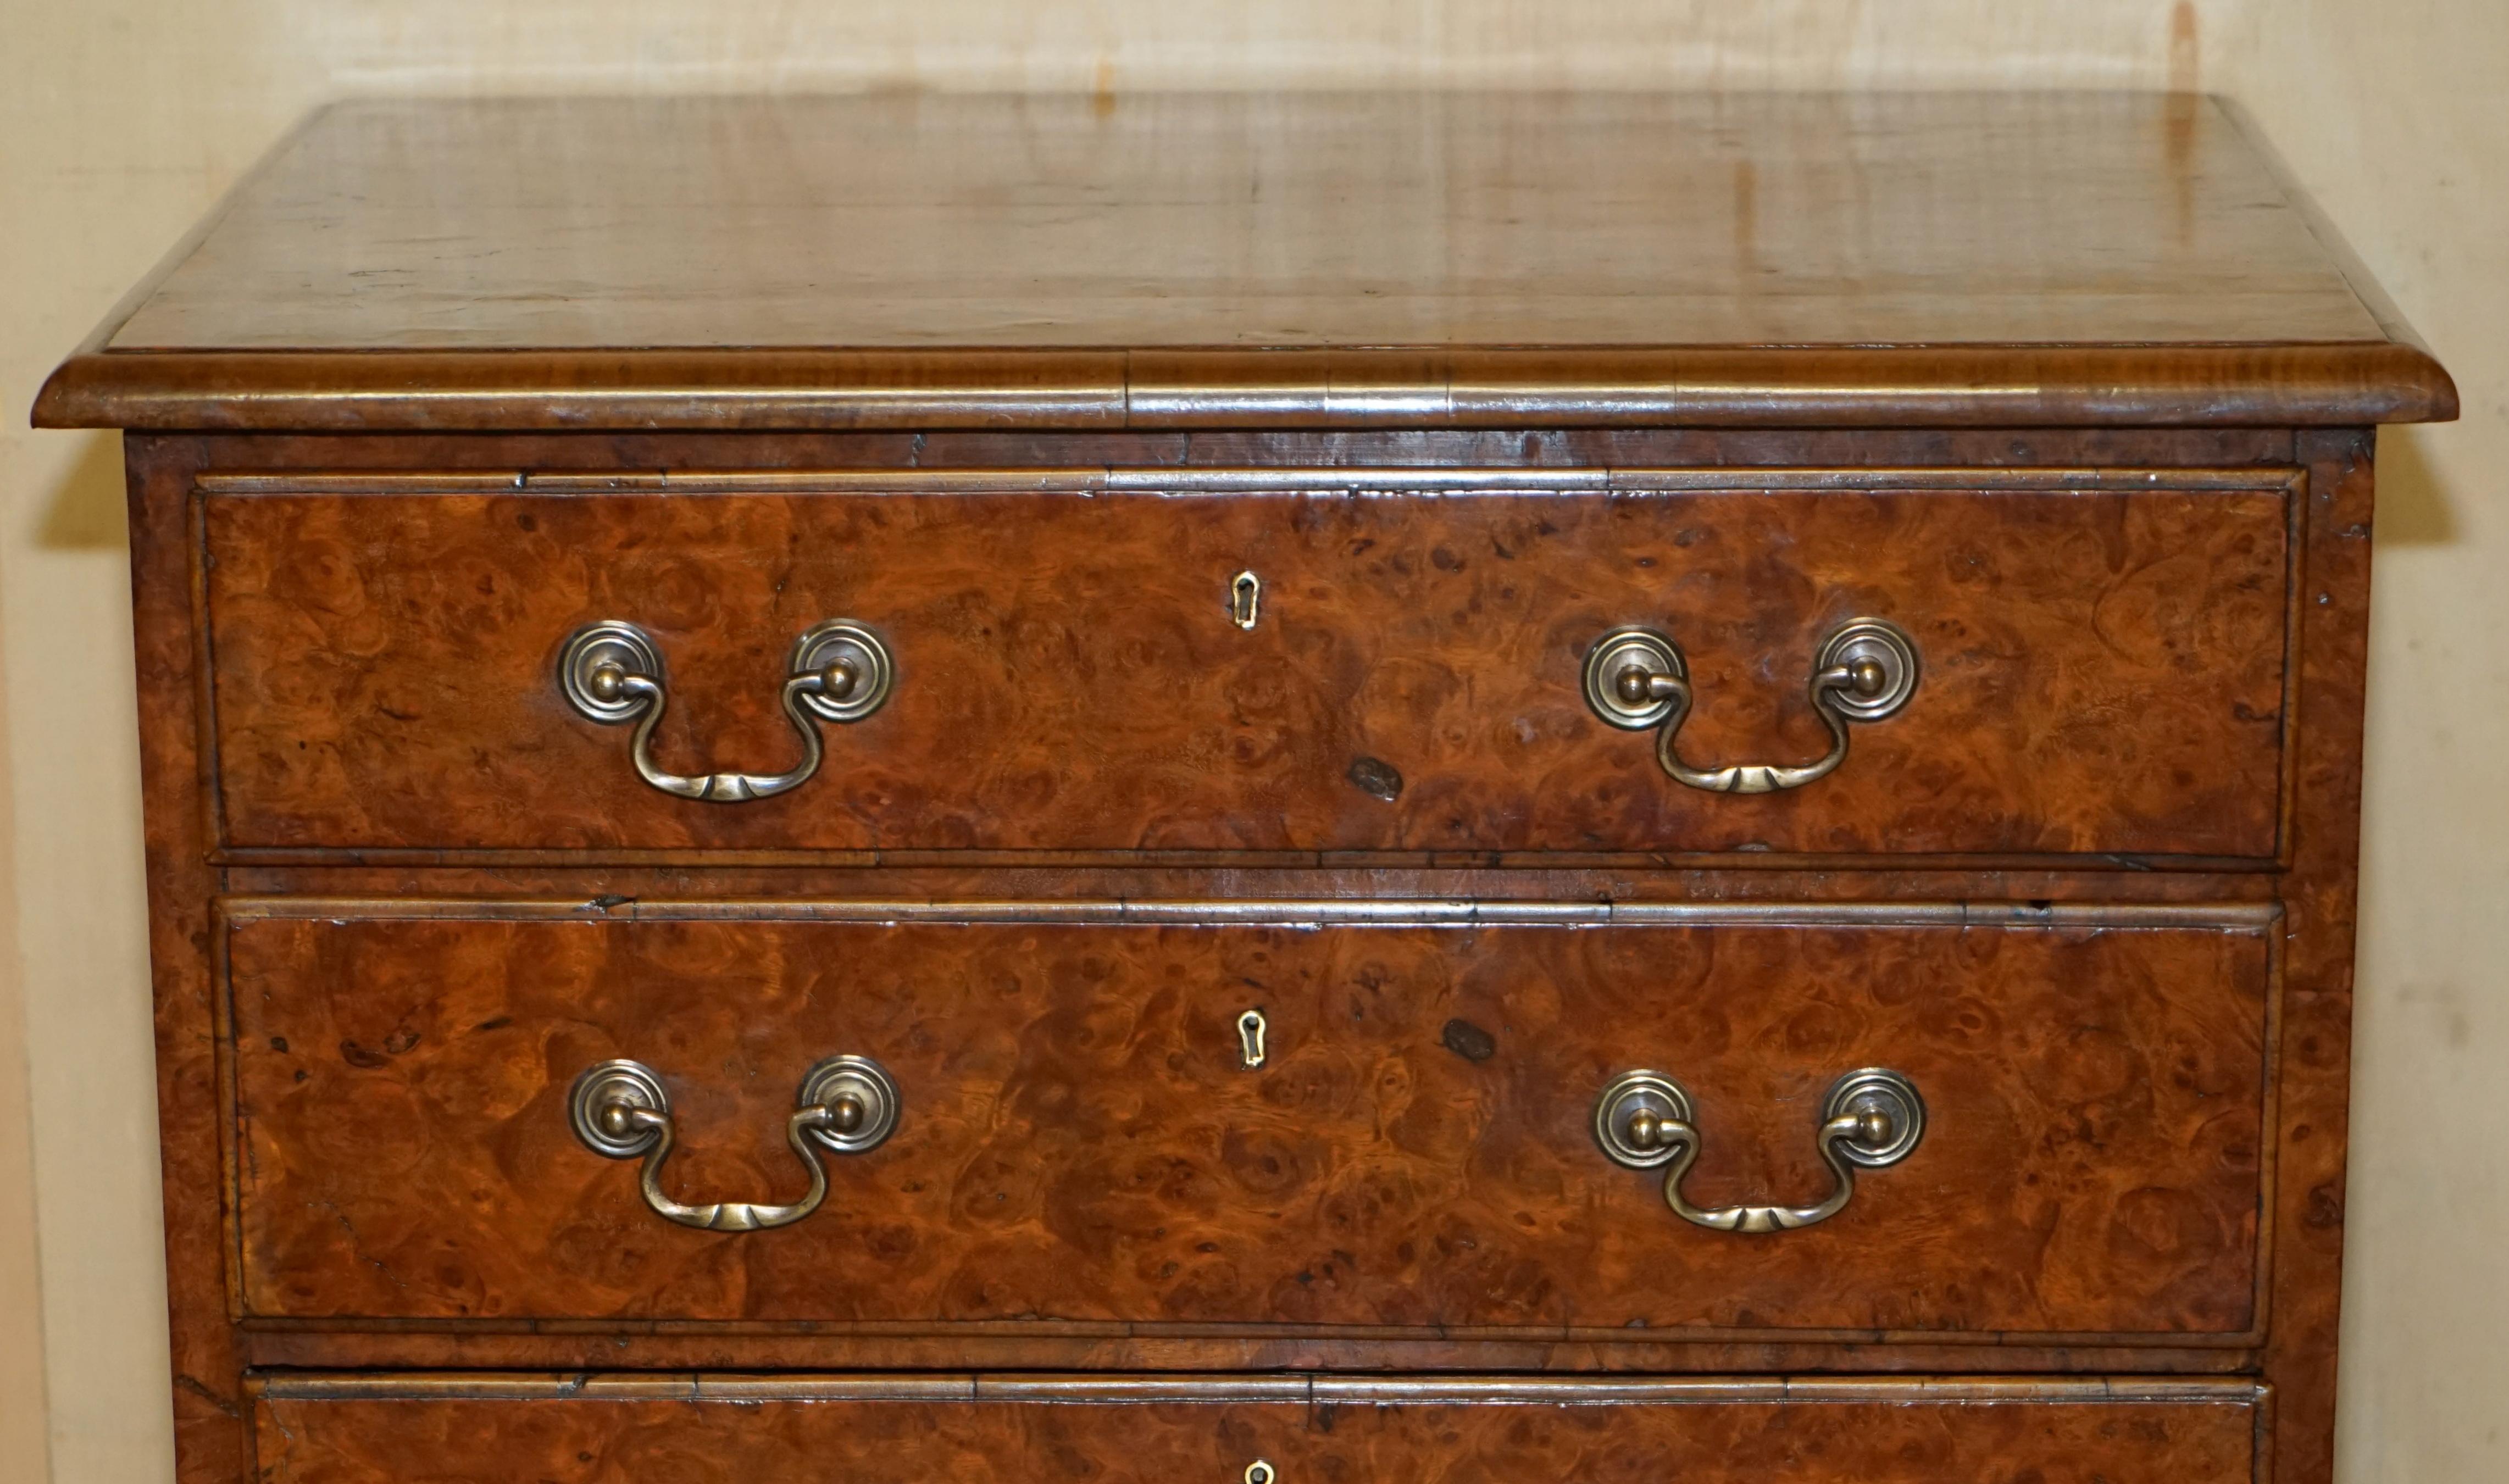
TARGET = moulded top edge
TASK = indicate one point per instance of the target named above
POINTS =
(2351, 383)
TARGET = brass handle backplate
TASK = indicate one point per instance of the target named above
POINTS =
(1872, 1119)
(1637, 678)
(611, 673)
(847, 1105)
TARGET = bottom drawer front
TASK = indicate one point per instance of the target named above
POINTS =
(452, 1430)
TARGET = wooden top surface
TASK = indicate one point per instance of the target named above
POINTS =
(1384, 258)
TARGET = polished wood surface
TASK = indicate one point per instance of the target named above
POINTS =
(2104, 660)
(2300, 1244)
(1775, 387)
(1294, 219)
(1081, 1145)
(2319, 892)
(1216, 260)
(734, 1429)
(2061, 384)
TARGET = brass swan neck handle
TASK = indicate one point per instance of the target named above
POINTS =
(612, 672)
(1637, 678)
(847, 1105)
(1871, 1118)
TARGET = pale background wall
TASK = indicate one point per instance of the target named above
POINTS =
(121, 119)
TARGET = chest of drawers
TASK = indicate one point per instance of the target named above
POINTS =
(1253, 789)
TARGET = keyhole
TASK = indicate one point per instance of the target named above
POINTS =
(1245, 599)
(1259, 1472)
(1250, 1046)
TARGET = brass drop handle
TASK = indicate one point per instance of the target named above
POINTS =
(612, 672)
(1872, 1119)
(848, 1104)
(1637, 678)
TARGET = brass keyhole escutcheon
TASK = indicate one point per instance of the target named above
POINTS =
(1250, 1027)
(1245, 600)
(1261, 1471)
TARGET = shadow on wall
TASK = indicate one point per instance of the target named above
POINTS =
(86, 511)
(2413, 510)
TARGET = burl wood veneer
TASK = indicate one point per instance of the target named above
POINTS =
(725, 1430)
(2068, 389)
(2104, 675)
(1081, 1140)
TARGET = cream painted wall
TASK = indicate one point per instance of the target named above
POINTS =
(121, 121)
(2394, 114)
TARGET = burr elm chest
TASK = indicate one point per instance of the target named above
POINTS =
(1270, 790)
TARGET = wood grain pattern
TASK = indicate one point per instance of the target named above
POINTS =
(1526, 446)
(1384, 218)
(195, 1129)
(2314, 1112)
(704, 1430)
(2302, 1203)
(1813, 388)
(2103, 669)
(1080, 1143)
(661, 1346)
(1211, 260)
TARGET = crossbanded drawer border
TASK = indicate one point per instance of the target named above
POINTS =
(1446, 911)
(1190, 482)
(1282, 479)
(1324, 1388)
(1311, 1399)
(2262, 919)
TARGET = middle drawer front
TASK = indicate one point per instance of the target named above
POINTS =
(1186, 1127)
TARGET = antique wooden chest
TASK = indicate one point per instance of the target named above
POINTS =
(1275, 789)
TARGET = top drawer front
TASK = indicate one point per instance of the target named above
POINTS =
(2102, 669)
